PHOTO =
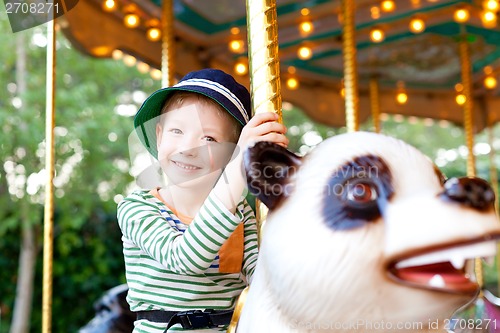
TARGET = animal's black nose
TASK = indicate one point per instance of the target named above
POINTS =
(470, 191)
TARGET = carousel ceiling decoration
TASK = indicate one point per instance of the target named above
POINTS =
(410, 46)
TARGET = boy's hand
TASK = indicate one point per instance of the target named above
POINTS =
(263, 127)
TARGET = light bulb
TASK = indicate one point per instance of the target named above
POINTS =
(241, 68)
(490, 82)
(131, 20)
(236, 45)
(304, 53)
(461, 15)
(292, 83)
(153, 34)
(460, 99)
(388, 5)
(109, 5)
(377, 35)
(417, 25)
(306, 27)
(401, 97)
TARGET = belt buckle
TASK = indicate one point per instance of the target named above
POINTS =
(194, 319)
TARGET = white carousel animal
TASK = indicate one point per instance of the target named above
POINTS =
(363, 234)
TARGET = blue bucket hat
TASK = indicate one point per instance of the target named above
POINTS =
(213, 83)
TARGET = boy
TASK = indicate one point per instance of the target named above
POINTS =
(190, 248)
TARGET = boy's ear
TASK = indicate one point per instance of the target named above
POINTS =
(270, 170)
(159, 133)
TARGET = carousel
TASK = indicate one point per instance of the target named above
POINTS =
(344, 63)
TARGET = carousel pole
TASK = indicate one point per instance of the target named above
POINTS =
(168, 44)
(350, 65)
(48, 224)
(375, 103)
(262, 30)
(466, 72)
(494, 181)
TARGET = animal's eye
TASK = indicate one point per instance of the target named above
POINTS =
(360, 192)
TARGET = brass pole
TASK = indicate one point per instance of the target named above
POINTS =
(494, 180)
(350, 65)
(168, 44)
(466, 71)
(48, 225)
(468, 105)
(493, 168)
(375, 103)
(265, 87)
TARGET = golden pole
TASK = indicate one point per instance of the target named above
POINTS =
(48, 225)
(468, 105)
(265, 87)
(375, 103)
(466, 71)
(350, 65)
(168, 44)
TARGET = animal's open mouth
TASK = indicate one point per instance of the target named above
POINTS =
(442, 269)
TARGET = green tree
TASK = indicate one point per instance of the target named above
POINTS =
(92, 163)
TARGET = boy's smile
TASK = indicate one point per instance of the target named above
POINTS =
(194, 143)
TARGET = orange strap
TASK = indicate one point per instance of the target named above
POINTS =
(231, 252)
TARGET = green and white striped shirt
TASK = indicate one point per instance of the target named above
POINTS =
(172, 266)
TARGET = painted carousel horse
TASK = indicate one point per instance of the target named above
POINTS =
(363, 234)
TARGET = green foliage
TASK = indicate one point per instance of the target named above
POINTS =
(92, 162)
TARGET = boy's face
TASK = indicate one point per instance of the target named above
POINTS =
(194, 143)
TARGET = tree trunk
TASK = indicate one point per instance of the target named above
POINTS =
(24, 293)
(27, 257)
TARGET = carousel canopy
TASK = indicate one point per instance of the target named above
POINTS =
(416, 51)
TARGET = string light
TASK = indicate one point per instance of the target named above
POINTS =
(375, 12)
(131, 20)
(491, 5)
(388, 5)
(402, 98)
(155, 74)
(306, 27)
(153, 34)
(292, 83)
(461, 15)
(129, 60)
(460, 99)
(377, 35)
(236, 45)
(241, 66)
(304, 53)
(142, 67)
(417, 25)
(109, 5)
(490, 82)
(489, 19)
(117, 54)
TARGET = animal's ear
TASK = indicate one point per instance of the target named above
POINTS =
(270, 170)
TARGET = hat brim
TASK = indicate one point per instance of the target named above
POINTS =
(146, 119)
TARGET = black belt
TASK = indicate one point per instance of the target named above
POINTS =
(192, 319)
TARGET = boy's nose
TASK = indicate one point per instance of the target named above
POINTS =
(189, 147)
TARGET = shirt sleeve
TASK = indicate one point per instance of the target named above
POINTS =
(188, 253)
(250, 253)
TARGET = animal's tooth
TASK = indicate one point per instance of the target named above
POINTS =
(457, 261)
(454, 255)
(437, 281)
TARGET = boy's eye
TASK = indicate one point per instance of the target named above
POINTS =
(175, 131)
(210, 139)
